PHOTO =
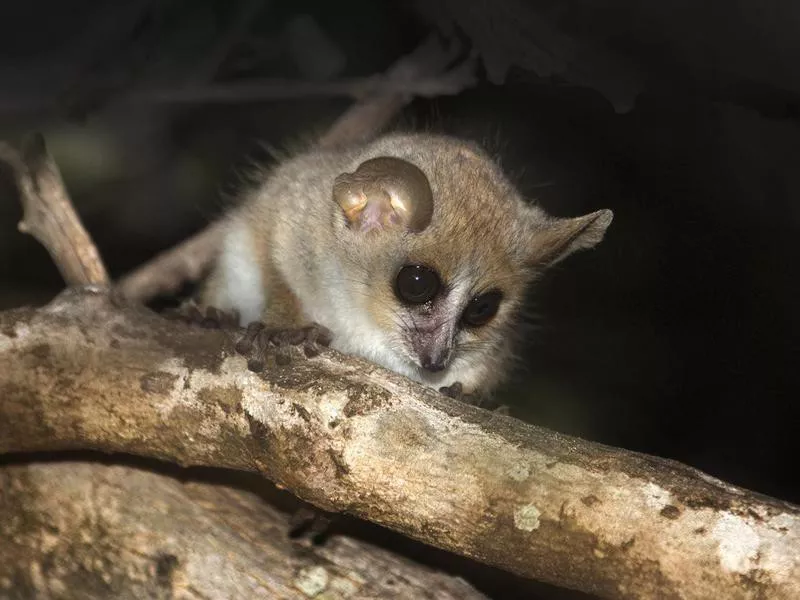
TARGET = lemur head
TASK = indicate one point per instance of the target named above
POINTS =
(441, 248)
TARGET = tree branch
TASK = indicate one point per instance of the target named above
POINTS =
(49, 215)
(187, 261)
(186, 540)
(259, 90)
(168, 271)
(348, 436)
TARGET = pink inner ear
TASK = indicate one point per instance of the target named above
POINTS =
(377, 215)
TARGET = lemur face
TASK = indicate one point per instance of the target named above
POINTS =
(440, 249)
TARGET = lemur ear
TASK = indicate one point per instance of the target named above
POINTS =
(384, 193)
(555, 239)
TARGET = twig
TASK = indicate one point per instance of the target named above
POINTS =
(166, 272)
(448, 83)
(451, 82)
(346, 435)
(49, 215)
(370, 115)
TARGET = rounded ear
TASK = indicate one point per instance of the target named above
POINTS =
(555, 239)
(384, 193)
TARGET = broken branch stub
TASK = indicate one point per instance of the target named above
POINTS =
(49, 215)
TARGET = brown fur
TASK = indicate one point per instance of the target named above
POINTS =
(482, 236)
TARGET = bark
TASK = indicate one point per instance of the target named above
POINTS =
(345, 435)
(83, 530)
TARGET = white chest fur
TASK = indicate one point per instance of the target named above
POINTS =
(242, 284)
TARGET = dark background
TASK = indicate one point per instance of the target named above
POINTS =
(678, 336)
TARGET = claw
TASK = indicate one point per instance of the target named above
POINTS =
(258, 340)
(456, 392)
(320, 335)
(283, 356)
(245, 345)
(212, 318)
(296, 336)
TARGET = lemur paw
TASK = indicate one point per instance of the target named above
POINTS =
(208, 317)
(456, 391)
(259, 339)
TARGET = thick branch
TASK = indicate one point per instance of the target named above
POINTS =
(186, 540)
(349, 436)
(169, 270)
(49, 215)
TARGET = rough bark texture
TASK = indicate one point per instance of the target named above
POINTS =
(346, 435)
(82, 530)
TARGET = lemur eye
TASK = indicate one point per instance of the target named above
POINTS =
(416, 284)
(481, 309)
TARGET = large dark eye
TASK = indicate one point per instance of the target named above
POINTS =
(416, 284)
(481, 309)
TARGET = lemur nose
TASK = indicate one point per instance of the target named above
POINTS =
(433, 346)
(435, 359)
(432, 366)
